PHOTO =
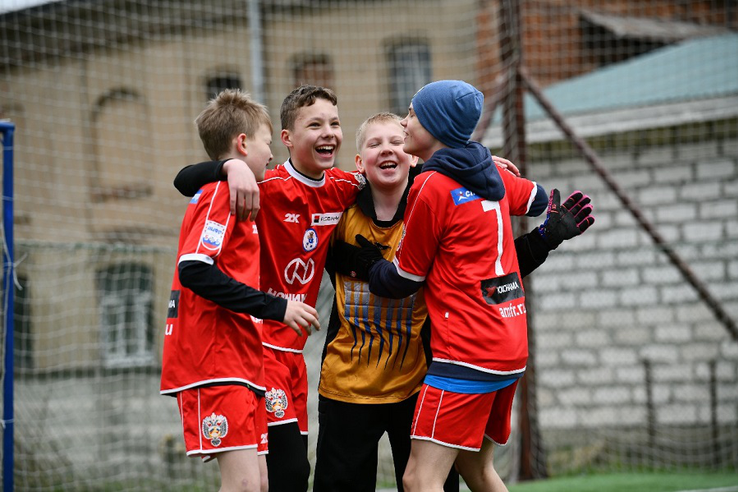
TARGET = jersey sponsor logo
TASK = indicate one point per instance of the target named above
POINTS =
(326, 219)
(512, 309)
(292, 218)
(286, 295)
(310, 240)
(462, 195)
(502, 289)
(276, 402)
(173, 308)
(215, 427)
(196, 197)
(299, 270)
(212, 234)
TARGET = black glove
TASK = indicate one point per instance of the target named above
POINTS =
(368, 256)
(568, 220)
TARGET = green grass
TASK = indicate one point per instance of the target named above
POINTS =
(632, 482)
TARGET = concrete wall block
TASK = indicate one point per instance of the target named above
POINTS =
(679, 373)
(695, 352)
(551, 342)
(558, 302)
(700, 191)
(651, 314)
(733, 269)
(712, 270)
(692, 393)
(557, 378)
(592, 338)
(659, 354)
(722, 209)
(655, 156)
(634, 179)
(703, 231)
(600, 416)
(578, 320)
(678, 294)
(690, 313)
(558, 417)
(598, 299)
(632, 336)
(661, 275)
(575, 397)
(636, 257)
(596, 259)
(557, 263)
(698, 151)
(578, 357)
(622, 277)
(610, 395)
(617, 238)
(618, 356)
(615, 318)
(716, 169)
(676, 213)
(728, 348)
(656, 195)
(640, 296)
(676, 414)
(674, 174)
(633, 375)
(672, 334)
(595, 376)
(710, 331)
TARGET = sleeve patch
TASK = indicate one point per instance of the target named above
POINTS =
(212, 234)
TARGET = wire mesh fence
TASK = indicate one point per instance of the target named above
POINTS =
(634, 347)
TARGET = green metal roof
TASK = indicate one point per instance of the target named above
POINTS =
(694, 69)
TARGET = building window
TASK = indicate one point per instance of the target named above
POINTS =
(314, 69)
(126, 292)
(409, 69)
(22, 336)
(217, 84)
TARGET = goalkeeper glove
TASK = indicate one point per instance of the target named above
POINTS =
(568, 220)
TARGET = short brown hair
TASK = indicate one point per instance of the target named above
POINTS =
(229, 113)
(305, 95)
(383, 117)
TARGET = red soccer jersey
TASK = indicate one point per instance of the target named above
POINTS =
(463, 247)
(205, 343)
(296, 222)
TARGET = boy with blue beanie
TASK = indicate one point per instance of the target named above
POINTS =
(458, 243)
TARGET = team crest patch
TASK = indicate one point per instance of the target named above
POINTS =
(214, 428)
(310, 240)
(276, 402)
(462, 195)
(212, 234)
(360, 179)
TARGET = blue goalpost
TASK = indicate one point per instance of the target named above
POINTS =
(6, 132)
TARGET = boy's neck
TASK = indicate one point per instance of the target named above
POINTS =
(386, 201)
(316, 175)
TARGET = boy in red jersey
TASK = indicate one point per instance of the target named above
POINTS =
(458, 243)
(212, 359)
(303, 201)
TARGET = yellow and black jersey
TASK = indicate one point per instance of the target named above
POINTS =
(374, 352)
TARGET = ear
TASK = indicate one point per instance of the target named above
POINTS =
(286, 139)
(414, 161)
(359, 163)
(242, 144)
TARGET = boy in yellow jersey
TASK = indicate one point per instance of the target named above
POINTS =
(374, 359)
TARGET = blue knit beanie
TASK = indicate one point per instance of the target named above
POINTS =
(449, 110)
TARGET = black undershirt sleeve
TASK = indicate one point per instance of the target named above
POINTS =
(193, 177)
(209, 282)
(532, 251)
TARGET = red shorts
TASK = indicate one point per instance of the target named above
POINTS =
(287, 387)
(222, 418)
(460, 420)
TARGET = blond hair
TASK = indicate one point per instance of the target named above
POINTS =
(227, 115)
(383, 117)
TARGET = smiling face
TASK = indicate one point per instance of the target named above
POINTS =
(418, 141)
(315, 138)
(381, 156)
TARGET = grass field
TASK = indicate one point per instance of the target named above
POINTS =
(635, 482)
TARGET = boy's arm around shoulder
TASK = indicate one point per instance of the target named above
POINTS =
(193, 177)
